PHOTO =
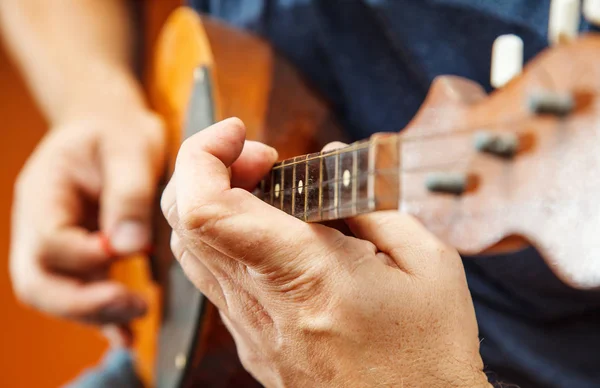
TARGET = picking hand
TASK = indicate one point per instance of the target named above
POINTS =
(88, 174)
(307, 305)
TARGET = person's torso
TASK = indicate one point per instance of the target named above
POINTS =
(375, 60)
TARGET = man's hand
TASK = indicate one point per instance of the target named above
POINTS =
(95, 172)
(307, 305)
(98, 165)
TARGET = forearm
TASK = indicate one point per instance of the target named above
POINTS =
(73, 53)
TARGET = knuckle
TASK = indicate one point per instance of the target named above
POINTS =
(70, 310)
(187, 148)
(167, 207)
(175, 245)
(249, 359)
(434, 247)
(208, 286)
(202, 218)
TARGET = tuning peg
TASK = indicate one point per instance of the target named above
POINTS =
(591, 11)
(564, 20)
(499, 144)
(447, 182)
(507, 59)
(557, 104)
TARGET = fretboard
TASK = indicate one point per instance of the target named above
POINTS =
(357, 179)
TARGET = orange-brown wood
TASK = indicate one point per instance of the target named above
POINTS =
(135, 271)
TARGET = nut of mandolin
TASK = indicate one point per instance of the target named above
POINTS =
(591, 11)
(564, 19)
(507, 59)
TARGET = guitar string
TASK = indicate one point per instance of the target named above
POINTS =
(350, 204)
(401, 140)
(360, 178)
(393, 170)
(336, 210)
(544, 76)
(397, 137)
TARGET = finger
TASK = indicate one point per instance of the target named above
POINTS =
(168, 202)
(131, 167)
(233, 221)
(44, 228)
(97, 302)
(407, 242)
(252, 165)
(208, 269)
(198, 273)
(75, 251)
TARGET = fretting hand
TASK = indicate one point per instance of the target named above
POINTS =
(307, 305)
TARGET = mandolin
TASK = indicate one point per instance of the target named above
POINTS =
(483, 172)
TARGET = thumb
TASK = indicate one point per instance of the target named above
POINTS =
(409, 245)
(252, 165)
(131, 168)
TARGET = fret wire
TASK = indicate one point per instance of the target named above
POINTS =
(272, 188)
(336, 186)
(332, 209)
(354, 178)
(362, 144)
(371, 166)
(281, 195)
(320, 186)
(306, 188)
(293, 188)
(365, 175)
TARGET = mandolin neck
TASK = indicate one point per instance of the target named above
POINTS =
(359, 178)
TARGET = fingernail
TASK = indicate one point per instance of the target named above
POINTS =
(129, 237)
(106, 245)
(274, 152)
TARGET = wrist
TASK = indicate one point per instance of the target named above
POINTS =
(100, 90)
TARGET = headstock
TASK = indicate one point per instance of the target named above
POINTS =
(547, 192)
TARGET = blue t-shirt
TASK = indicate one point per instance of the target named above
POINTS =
(375, 60)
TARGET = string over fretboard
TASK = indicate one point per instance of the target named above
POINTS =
(336, 184)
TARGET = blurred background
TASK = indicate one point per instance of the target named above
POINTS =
(35, 350)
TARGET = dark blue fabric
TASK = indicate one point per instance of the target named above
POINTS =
(117, 370)
(375, 61)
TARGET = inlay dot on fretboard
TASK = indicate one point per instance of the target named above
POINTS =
(346, 178)
(300, 187)
(277, 190)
